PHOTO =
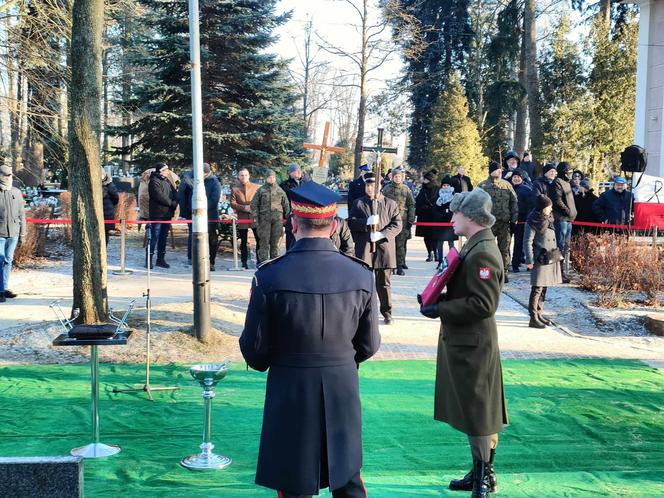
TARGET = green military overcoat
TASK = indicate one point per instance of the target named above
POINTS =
(469, 381)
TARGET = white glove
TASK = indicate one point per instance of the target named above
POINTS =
(373, 219)
(376, 236)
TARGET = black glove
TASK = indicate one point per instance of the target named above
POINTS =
(430, 310)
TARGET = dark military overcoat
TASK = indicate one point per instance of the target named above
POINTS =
(312, 318)
(469, 382)
(390, 225)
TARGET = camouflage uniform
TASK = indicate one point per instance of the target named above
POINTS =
(505, 210)
(269, 208)
(402, 195)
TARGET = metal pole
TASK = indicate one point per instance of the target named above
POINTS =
(94, 375)
(236, 265)
(200, 243)
(123, 250)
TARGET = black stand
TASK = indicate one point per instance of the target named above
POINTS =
(148, 304)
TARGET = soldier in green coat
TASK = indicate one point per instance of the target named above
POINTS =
(401, 194)
(469, 382)
(269, 209)
(505, 209)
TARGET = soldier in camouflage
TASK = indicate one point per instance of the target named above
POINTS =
(505, 209)
(401, 194)
(269, 209)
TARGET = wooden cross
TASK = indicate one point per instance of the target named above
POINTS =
(324, 148)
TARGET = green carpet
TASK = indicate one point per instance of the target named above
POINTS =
(579, 428)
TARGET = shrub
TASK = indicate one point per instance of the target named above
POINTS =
(612, 265)
(34, 242)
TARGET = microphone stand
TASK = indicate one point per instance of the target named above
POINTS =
(148, 305)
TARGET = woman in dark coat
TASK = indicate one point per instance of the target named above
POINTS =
(442, 214)
(110, 200)
(425, 205)
(542, 258)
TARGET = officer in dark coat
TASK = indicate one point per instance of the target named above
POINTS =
(384, 214)
(311, 320)
(163, 202)
(356, 187)
(342, 238)
(469, 383)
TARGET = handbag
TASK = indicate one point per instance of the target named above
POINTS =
(549, 256)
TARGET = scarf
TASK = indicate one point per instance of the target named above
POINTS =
(539, 222)
(445, 195)
(5, 182)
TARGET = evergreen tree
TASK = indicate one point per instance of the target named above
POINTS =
(248, 104)
(566, 121)
(455, 140)
(446, 38)
(612, 84)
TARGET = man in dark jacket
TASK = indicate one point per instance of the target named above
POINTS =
(564, 213)
(110, 200)
(342, 238)
(213, 194)
(528, 165)
(615, 206)
(294, 180)
(511, 162)
(526, 202)
(377, 223)
(12, 227)
(425, 210)
(469, 383)
(584, 198)
(356, 187)
(163, 201)
(460, 182)
(311, 321)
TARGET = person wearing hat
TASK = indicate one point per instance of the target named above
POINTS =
(425, 211)
(511, 162)
(443, 214)
(294, 180)
(469, 387)
(542, 257)
(12, 228)
(163, 202)
(505, 209)
(213, 194)
(615, 206)
(241, 196)
(401, 194)
(110, 199)
(269, 209)
(311, 321)
(374, 220)
(525, 203)
(564, 212)
(356, 187)
(584, 198)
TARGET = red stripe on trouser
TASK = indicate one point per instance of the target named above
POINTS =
(280, 494)
(363, 486)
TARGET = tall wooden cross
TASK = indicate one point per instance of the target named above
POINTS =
(324, 148)
(379, 149)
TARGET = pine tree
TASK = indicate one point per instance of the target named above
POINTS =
(455, 140)
(249, 115)
(565, 103)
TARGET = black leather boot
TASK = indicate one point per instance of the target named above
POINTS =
(481, 486)
(466, 482)
(400, 271)
(161, 262)
(535, 322)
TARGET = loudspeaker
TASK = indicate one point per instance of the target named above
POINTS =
(634, 159)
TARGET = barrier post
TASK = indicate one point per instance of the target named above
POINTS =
(236, 266)
(123, 250)
(654, 236)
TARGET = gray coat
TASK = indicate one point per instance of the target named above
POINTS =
(12, 213)
(533, 243)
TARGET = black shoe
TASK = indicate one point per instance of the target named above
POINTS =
(9, 294)
(535, 323)
(212, 268)
(2, 297)
(405, 267)
(466, 482)
(162, 264)
(481, 485)
(388, 318)
(245, 265)
(515, 270)
(545, 321)
(400, 271)
(429, 258)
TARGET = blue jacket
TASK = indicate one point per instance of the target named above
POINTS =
(525, 199)
(212, 191)
(612, 207)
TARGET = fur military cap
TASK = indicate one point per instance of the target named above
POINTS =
(475, 205)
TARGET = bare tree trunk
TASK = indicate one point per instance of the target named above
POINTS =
(362, 109)
(126, 93)
(89, 268)
(520, 139)
(104, 77)
(14, 107)
(534, 114)
(605, 14)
